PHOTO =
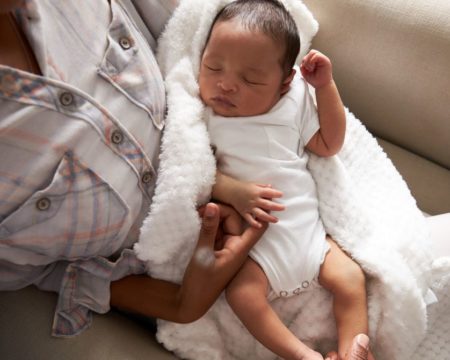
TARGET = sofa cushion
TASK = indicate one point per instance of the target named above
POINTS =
(391, 61)
(429, 183)
(25, 327)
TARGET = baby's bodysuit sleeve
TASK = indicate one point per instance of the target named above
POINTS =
(308, 118)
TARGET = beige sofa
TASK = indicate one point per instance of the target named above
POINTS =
(391, 60)
(391, 63)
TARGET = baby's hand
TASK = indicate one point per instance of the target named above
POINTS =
(254, 202)
(316, 69)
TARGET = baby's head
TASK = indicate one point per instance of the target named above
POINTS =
(247, 63)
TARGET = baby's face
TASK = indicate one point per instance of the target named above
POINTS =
(240, 71)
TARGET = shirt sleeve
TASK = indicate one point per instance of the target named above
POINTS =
(83, 286)
(14, 277)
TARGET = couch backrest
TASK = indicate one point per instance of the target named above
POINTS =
(391, 63)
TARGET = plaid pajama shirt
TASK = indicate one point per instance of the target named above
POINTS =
(79, 152)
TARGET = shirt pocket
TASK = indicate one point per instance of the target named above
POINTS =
(131, 72)
(77, 215)
(283, 142)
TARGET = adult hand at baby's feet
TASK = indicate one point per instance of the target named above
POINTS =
(360, 348)
(358, 351)
(221, 250)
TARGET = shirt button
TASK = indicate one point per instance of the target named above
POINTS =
(305, 284)
(66, 99)
(147, 177)
(297, 291)
(117, 137)
(125, 43)
(283, 293)
(43, 204)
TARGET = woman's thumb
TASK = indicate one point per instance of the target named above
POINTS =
(210, 224)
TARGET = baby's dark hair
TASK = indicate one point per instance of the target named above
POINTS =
(270, 17)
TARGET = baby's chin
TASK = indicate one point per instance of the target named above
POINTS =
(234, 112)
(226, 113)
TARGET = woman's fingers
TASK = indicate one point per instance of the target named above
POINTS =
(231, 221)
(210, 224)
(360, 348)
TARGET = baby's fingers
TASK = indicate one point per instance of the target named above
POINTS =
(269, 205)
(309, 61)
(264, 216)
(269, 193)
(252, 221)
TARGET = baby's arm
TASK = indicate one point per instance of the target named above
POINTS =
(252, 201)
(317, 70)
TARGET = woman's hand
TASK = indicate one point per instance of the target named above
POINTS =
(221, 249)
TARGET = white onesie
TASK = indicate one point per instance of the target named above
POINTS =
(269, 149)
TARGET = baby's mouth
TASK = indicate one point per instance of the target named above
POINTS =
(223, 100)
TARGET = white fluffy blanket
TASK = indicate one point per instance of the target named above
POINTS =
(364, 203)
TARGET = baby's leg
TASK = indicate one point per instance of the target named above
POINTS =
(346, 281)
(247, 297)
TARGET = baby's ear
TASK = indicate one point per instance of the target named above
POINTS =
(285, 86)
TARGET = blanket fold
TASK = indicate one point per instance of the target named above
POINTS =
(364, 203)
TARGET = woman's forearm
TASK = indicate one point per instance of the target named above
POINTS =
(207, 274)
(140, 294)
(143, 295)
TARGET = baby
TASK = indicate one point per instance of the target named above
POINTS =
(261, 119)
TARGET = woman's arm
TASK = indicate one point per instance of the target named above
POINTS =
(218, 256)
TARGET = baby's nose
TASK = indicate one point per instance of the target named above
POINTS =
(227, 85)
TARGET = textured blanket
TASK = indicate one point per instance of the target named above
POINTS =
(364, 203)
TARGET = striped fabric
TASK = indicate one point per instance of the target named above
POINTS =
(79, 151)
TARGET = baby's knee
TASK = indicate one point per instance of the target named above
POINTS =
(236, 294)
(241, 296)
(238, 298)
(348, 280)
(351, 279)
